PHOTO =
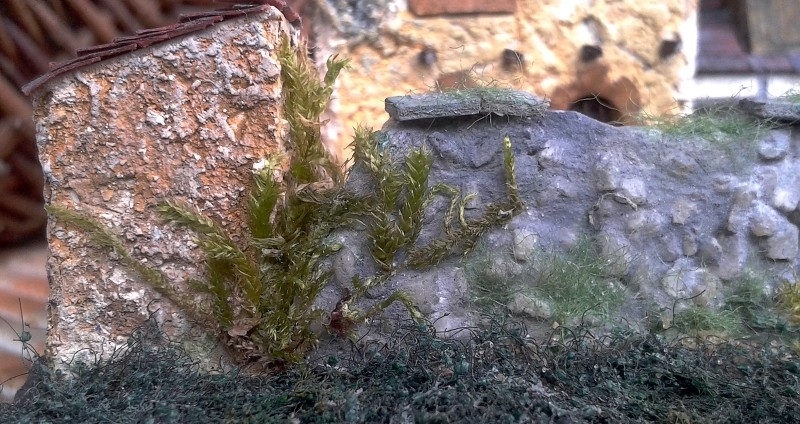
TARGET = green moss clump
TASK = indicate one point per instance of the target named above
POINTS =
(699, 320)
(395, 220)
(788, 299)
(305, 99)
(262, 292)
(262, 289)
(467, 234)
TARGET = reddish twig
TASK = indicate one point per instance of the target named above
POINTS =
(187, 24)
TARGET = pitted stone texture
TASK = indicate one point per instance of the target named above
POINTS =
(183, 120)
(782, 244)
(775, 145)
(668, 235)
(697, 285)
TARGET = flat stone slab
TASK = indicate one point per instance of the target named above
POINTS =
(783, 111)
(477, 101)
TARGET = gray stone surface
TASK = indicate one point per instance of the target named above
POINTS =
(467, 102)
(775, 110)
(775, 145)
(672, 220)
(524, 305)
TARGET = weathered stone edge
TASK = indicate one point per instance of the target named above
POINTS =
(468, 102)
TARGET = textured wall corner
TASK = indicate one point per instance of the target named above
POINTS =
(182, 120)
(634, 55)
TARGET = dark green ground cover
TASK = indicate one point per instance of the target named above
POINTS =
(420, 377)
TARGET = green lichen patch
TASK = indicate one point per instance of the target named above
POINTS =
(572, 286)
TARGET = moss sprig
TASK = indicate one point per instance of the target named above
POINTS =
(467, 234)
(417, 169)
(305, 99)
(225, 258)
(101, 235)
(263, 200)
(511, 177)
(396, 219)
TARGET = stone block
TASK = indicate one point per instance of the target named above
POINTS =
(783, 111)
(525, 243)
(682, 210)
(184, 120)
(764, 220)
(775, 145)
(503, 102)
(634, 189)
(783, 244)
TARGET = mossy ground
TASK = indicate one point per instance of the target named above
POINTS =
(418, 376)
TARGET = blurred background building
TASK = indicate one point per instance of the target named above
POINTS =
(611, 60)
(608, 59)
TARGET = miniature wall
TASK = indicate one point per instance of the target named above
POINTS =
(602, 58)
(187, 119)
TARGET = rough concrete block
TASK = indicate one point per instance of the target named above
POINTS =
(480, 101)
(182, 120)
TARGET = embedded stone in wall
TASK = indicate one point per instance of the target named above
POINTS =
(784, 111)
(497, 101)
(184, 120)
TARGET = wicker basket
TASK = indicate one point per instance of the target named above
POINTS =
(34, 33)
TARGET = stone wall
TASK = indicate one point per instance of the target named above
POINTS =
(673, 222)
(184, 120)
(630, 56)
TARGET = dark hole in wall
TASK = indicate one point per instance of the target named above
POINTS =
(427, 57)
(597, 108)
(668, 48)
(512, 60)
(590, 53)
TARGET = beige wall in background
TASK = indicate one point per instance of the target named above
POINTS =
(646, 51)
